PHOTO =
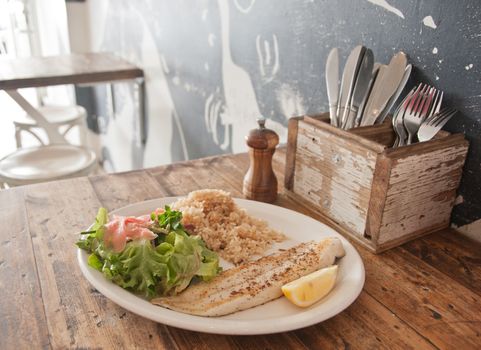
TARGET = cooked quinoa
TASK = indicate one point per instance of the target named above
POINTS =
(225, 228)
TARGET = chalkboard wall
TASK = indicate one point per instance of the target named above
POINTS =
(213, 67)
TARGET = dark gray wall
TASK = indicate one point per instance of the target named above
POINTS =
(188, 35)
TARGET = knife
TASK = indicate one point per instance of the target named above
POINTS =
(384, 88)
(360, 88)
(332, 82)
(348, 81)
(402, 84)
(367, 108)
(362, 107)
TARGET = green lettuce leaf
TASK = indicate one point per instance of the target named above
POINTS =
(163, 266)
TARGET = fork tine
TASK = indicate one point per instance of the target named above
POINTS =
(423, 100)
(420, 103)
(443, 119)
(427, 103)
(429, 129)
(438, 107)
(436, 103)
(441, 114)
(405, 101)
(415, 99)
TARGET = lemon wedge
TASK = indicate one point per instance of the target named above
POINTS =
(309, 289)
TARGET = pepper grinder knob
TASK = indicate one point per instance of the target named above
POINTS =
(260, 182)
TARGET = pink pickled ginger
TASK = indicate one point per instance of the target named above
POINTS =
(122, 229)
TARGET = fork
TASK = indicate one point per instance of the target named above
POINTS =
(417, 111)
(398, 116)
(432, 125)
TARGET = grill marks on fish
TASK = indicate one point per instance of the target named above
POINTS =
(256, 282)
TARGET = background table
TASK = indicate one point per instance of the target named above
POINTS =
(422, 295)
(88, 68)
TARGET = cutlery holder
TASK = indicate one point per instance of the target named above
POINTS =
(379, 196)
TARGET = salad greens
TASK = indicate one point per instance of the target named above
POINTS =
(162, 266)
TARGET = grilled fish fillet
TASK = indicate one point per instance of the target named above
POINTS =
(256, 282)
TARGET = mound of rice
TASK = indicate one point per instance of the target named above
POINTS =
(225, 228)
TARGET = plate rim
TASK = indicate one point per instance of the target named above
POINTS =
(126, 299)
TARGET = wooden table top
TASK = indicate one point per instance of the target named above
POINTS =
(65, 69)
(422, 295)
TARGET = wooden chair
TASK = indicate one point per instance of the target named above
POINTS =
(47, 162)
(64, 118)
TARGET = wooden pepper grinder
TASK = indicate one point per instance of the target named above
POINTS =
(260, 183)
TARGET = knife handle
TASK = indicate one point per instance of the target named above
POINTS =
(340, 114)
(351, 116)
(333, 115)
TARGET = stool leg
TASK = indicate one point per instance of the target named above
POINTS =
(83, 131)
(18, 137)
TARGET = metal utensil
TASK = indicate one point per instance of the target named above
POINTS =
(362, 107)
(417, 111)
(393, 99)
(398, 116)
(348, 80)
(365, 118)
(384, 88)
(332, 82)
(432, 125)
(438, 99)
(361, 88)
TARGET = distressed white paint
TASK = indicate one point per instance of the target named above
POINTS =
(428, 21)
(333, 177)
(435, 50)
(384, 4)
(415, 203)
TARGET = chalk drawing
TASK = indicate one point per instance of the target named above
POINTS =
(215, 119)
(244, 6)
(268, 58)
(241, 107)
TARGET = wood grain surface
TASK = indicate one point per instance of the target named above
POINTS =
(423, 295)
(65, 69)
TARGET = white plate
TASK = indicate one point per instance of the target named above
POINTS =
(276, 316)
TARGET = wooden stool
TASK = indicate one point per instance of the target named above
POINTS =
(60, 117)
(46, 163)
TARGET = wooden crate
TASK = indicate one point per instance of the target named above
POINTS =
(377, 195)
